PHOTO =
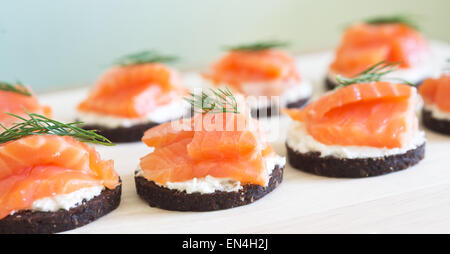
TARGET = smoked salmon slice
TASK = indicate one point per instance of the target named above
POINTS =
(40, 166)
(166, 134)
(377, 114)
(134, 91)
(18, 104)
(18, 192)
(181, 155)
(363, 45)
(437, 92)
(249, 67)
(233, 142)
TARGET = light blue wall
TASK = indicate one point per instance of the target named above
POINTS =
(52, 44)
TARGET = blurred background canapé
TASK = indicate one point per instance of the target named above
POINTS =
(52, 45)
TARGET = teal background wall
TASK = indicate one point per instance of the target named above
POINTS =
(51, 44)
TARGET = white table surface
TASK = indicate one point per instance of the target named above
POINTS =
(416, 200)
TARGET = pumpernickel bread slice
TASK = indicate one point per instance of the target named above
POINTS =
(122, 134)
(329, 85)
(330, 166)
(161, 197)
(434, 124)
(34, 222)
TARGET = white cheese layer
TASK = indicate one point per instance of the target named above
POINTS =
(66, 201)
(171, 111)
(437, 113)
(414, 74)
(299, 140)
(210, 184)
(294, 93)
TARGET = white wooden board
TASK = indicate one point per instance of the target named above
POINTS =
(411, 201)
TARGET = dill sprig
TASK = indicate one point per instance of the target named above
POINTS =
(403, 19)
(15, 88)
(41, 125)
(146, 56)
(258, 46)
(374, 73)
(221, 101)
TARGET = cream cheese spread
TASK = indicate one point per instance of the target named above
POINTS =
(171, 111)
(66, 201)
(437, 113)
(299, 140)
(294, 93)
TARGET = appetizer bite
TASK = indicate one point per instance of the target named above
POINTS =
(365, 127)
(217, 159)
(139, 93)
(436, 110)
(393, 39)
(260, 71)
(50, 181)
(18, 99)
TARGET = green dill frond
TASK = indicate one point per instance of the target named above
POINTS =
(393, 19)
(258, 46)
(374, 73)
(40, 125)
(220, 101)
(15, 88)
(147, 56)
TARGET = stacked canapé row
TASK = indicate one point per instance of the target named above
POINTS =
(208, 150)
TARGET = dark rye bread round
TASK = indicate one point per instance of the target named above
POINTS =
(330, 85)
(437, 125)
(330, 166)
(273, 110)
(32, 222)
(122, 134)
(161, 197)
